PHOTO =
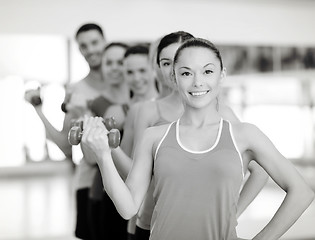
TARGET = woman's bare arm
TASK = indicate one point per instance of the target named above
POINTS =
(298, 194)
(127, 196)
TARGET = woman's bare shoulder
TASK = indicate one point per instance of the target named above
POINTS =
(248, 134)
(244, 128)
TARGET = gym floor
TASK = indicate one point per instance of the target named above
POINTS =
(37, 202)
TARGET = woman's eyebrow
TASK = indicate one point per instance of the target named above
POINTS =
(185, 68)
(209, 64)
(167, 59)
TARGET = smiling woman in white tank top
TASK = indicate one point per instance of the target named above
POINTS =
(195, 164)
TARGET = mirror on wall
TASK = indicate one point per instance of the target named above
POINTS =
(265, 59)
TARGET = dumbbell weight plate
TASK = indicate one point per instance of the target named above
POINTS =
(75, 135)
(110, 123)
(36, 101)
(114, 138)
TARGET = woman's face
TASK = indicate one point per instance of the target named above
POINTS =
(166, 63)
(138, 73)
(198, 74)
(112, 64)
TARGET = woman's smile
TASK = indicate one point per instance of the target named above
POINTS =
(199, 93)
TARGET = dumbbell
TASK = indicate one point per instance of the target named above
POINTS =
(66, 101)
(76, 132)
(64, 107)
(32, 94)
(36, 101)
(76, 123)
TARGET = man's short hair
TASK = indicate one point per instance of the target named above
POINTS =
(137, 49)
(87, 27)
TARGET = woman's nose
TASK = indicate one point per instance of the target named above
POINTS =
(198, 81)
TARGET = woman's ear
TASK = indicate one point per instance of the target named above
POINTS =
(223, 75)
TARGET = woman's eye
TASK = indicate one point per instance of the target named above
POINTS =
(142, 70)
(166, 64)
(208, 71)
(185, 74)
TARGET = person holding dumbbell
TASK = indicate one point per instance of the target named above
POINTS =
(116, 91)
(129, 126)
(170, 108)
(195, 162)
(138, 75)
(91, 42)
(167, 109)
